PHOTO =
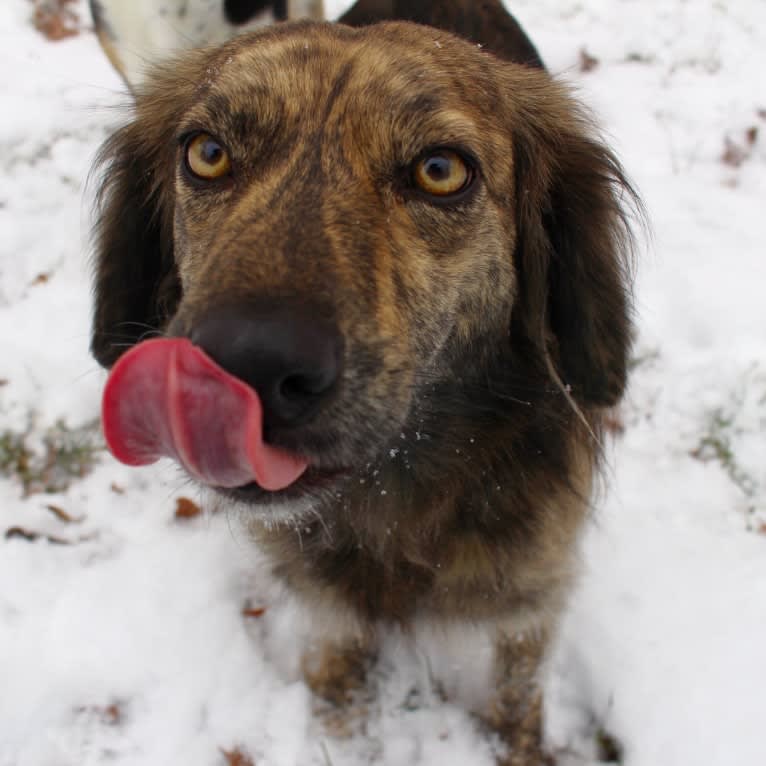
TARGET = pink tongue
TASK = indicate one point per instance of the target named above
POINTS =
(167, 398)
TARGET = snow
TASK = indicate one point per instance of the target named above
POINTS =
(129, 645)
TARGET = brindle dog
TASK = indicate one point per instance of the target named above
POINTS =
(441, 238)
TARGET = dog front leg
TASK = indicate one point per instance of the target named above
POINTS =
(516, 706)
(336, 671)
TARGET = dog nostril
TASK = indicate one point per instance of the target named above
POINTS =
(301, 387)
(297, 394)
(290, 357)
(294, 396)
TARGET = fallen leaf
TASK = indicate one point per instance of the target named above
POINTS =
(54, 20)
(112, 714)
(733, 154)
(587, 62)
(186, 509)
(19, 533)
(256, 611)
(237, 758)
(109, 715)
(62, 515)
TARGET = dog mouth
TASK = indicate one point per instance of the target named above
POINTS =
(310, 483)
(167, 398)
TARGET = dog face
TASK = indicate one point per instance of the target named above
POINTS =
(387, 232)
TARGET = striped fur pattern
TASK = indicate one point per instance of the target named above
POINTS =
(485, 337)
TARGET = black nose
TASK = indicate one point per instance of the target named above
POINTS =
(290, 357)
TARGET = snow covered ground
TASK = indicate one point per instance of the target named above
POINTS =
(122, 633)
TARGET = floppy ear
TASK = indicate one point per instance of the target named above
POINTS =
(573, 246)
(136, 283)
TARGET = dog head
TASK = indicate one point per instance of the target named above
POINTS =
(361, 225)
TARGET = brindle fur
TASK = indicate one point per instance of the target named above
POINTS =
(483, 340)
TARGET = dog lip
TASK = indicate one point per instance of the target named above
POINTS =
(313, 478)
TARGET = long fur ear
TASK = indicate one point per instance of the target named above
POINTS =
(136, 283)
(574, 245)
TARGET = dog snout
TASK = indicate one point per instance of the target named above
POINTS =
(291, 358)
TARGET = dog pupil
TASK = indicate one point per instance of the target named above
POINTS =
(211, 152)
(438, 168)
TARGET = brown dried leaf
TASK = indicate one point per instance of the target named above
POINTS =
(610, 749)
(254, 611)
(587, 62)
(116, 488)
(42, 278)
(109, 715)
(112, 714)
(237, 757)
(186, 509)
(55, 20)
(19, 533)
(733, 154)
(62, 515)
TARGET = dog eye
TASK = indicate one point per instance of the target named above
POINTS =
(442, 173)
(205, 158)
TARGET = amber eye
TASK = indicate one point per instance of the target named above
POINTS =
(442, 173)
(205, 158)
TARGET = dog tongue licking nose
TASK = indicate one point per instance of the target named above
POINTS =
(167, 398)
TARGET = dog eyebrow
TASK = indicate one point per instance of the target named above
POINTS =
(423, 103)
(252, 111)
(442, 127)
(258, 116)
